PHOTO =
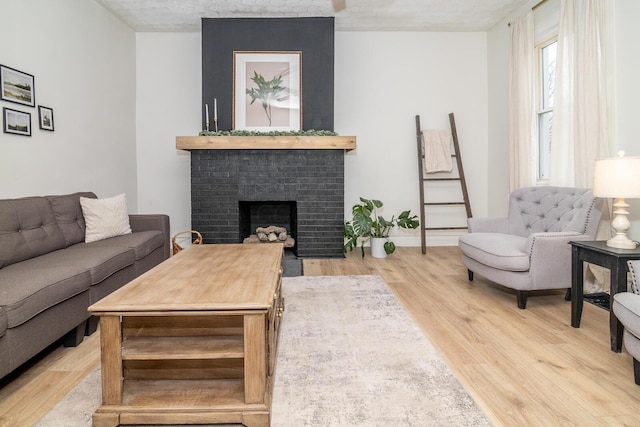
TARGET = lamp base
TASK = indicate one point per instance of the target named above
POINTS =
(621, 241)
(621, 225)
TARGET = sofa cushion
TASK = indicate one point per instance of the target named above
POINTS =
(501, 251)
(34, 285)
(100, 262)
(68, 214)
(28, 228)
(142, 242)
(105, 218)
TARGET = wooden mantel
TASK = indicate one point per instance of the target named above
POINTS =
(266, 142)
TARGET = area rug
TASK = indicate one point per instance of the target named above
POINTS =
(349, 355)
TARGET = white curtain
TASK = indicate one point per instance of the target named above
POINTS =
(522, 104)
(583, 105)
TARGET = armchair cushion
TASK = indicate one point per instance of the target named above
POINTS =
(501, 251)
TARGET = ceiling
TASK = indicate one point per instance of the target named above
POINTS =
(357, 15)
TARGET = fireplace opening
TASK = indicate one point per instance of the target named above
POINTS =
(263, 214)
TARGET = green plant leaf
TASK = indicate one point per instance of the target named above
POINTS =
(406, 221)
(389, 248)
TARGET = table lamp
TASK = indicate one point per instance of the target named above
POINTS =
(619, 178)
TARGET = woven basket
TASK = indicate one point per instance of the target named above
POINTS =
(177, 248)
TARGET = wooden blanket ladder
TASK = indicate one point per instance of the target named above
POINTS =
(423, 182)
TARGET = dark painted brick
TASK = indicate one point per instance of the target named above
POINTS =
(312, 178)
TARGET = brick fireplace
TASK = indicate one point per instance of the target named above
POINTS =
(309, 183)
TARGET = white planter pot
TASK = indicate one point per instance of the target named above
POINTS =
(377, 247)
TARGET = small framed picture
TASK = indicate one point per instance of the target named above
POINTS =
(17, 122)
(45, 117)
(16, 86)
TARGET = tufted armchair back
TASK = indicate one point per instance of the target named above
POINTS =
(552, 209)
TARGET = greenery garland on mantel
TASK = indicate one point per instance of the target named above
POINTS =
(311, 132)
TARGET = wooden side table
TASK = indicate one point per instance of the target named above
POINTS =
(597, 252)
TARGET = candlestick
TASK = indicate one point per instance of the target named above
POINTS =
(206, 115)
(215, 124)
(215, 109)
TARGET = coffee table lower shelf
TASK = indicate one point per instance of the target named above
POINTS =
(183, 402)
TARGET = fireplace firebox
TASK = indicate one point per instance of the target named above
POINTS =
(255, 214)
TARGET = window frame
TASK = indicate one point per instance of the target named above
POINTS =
(540, 109)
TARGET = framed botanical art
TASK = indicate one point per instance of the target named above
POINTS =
(267, 90)
(17, 122)
(16, 86)
(45, 117)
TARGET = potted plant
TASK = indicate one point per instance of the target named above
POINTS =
(367, 224)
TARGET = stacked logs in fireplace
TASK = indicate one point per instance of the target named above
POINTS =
(271, 234)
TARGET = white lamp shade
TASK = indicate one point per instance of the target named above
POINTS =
(617, 177)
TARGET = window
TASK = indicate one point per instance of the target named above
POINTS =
(547, 71)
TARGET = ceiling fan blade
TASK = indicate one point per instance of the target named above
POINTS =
(339, 5)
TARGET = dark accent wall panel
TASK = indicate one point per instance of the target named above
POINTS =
(313, 36)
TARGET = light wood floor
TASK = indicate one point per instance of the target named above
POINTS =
(523, 367)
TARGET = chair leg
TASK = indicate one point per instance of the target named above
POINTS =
(636, 371)
(522, 299)
(567, 296)
(470, 274)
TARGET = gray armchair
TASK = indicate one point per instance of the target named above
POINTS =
(529, 250)
(626, 307)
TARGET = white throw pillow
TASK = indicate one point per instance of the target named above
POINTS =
(105, 218)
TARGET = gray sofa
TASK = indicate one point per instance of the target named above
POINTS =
(49, 275)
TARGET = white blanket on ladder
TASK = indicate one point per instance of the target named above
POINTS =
(436, 146)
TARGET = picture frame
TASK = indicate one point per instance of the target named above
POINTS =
(17, 86)
(267, 90)
(45, 117)
(16, 122)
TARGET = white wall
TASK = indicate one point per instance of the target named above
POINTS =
(627, 34)
(83, 60)
(168, 92)
(382, 81)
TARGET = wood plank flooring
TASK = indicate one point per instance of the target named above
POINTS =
(523, 367)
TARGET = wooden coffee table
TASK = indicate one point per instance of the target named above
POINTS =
(193, 340)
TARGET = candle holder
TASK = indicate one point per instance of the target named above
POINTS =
(207, 126)
(215, 124)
